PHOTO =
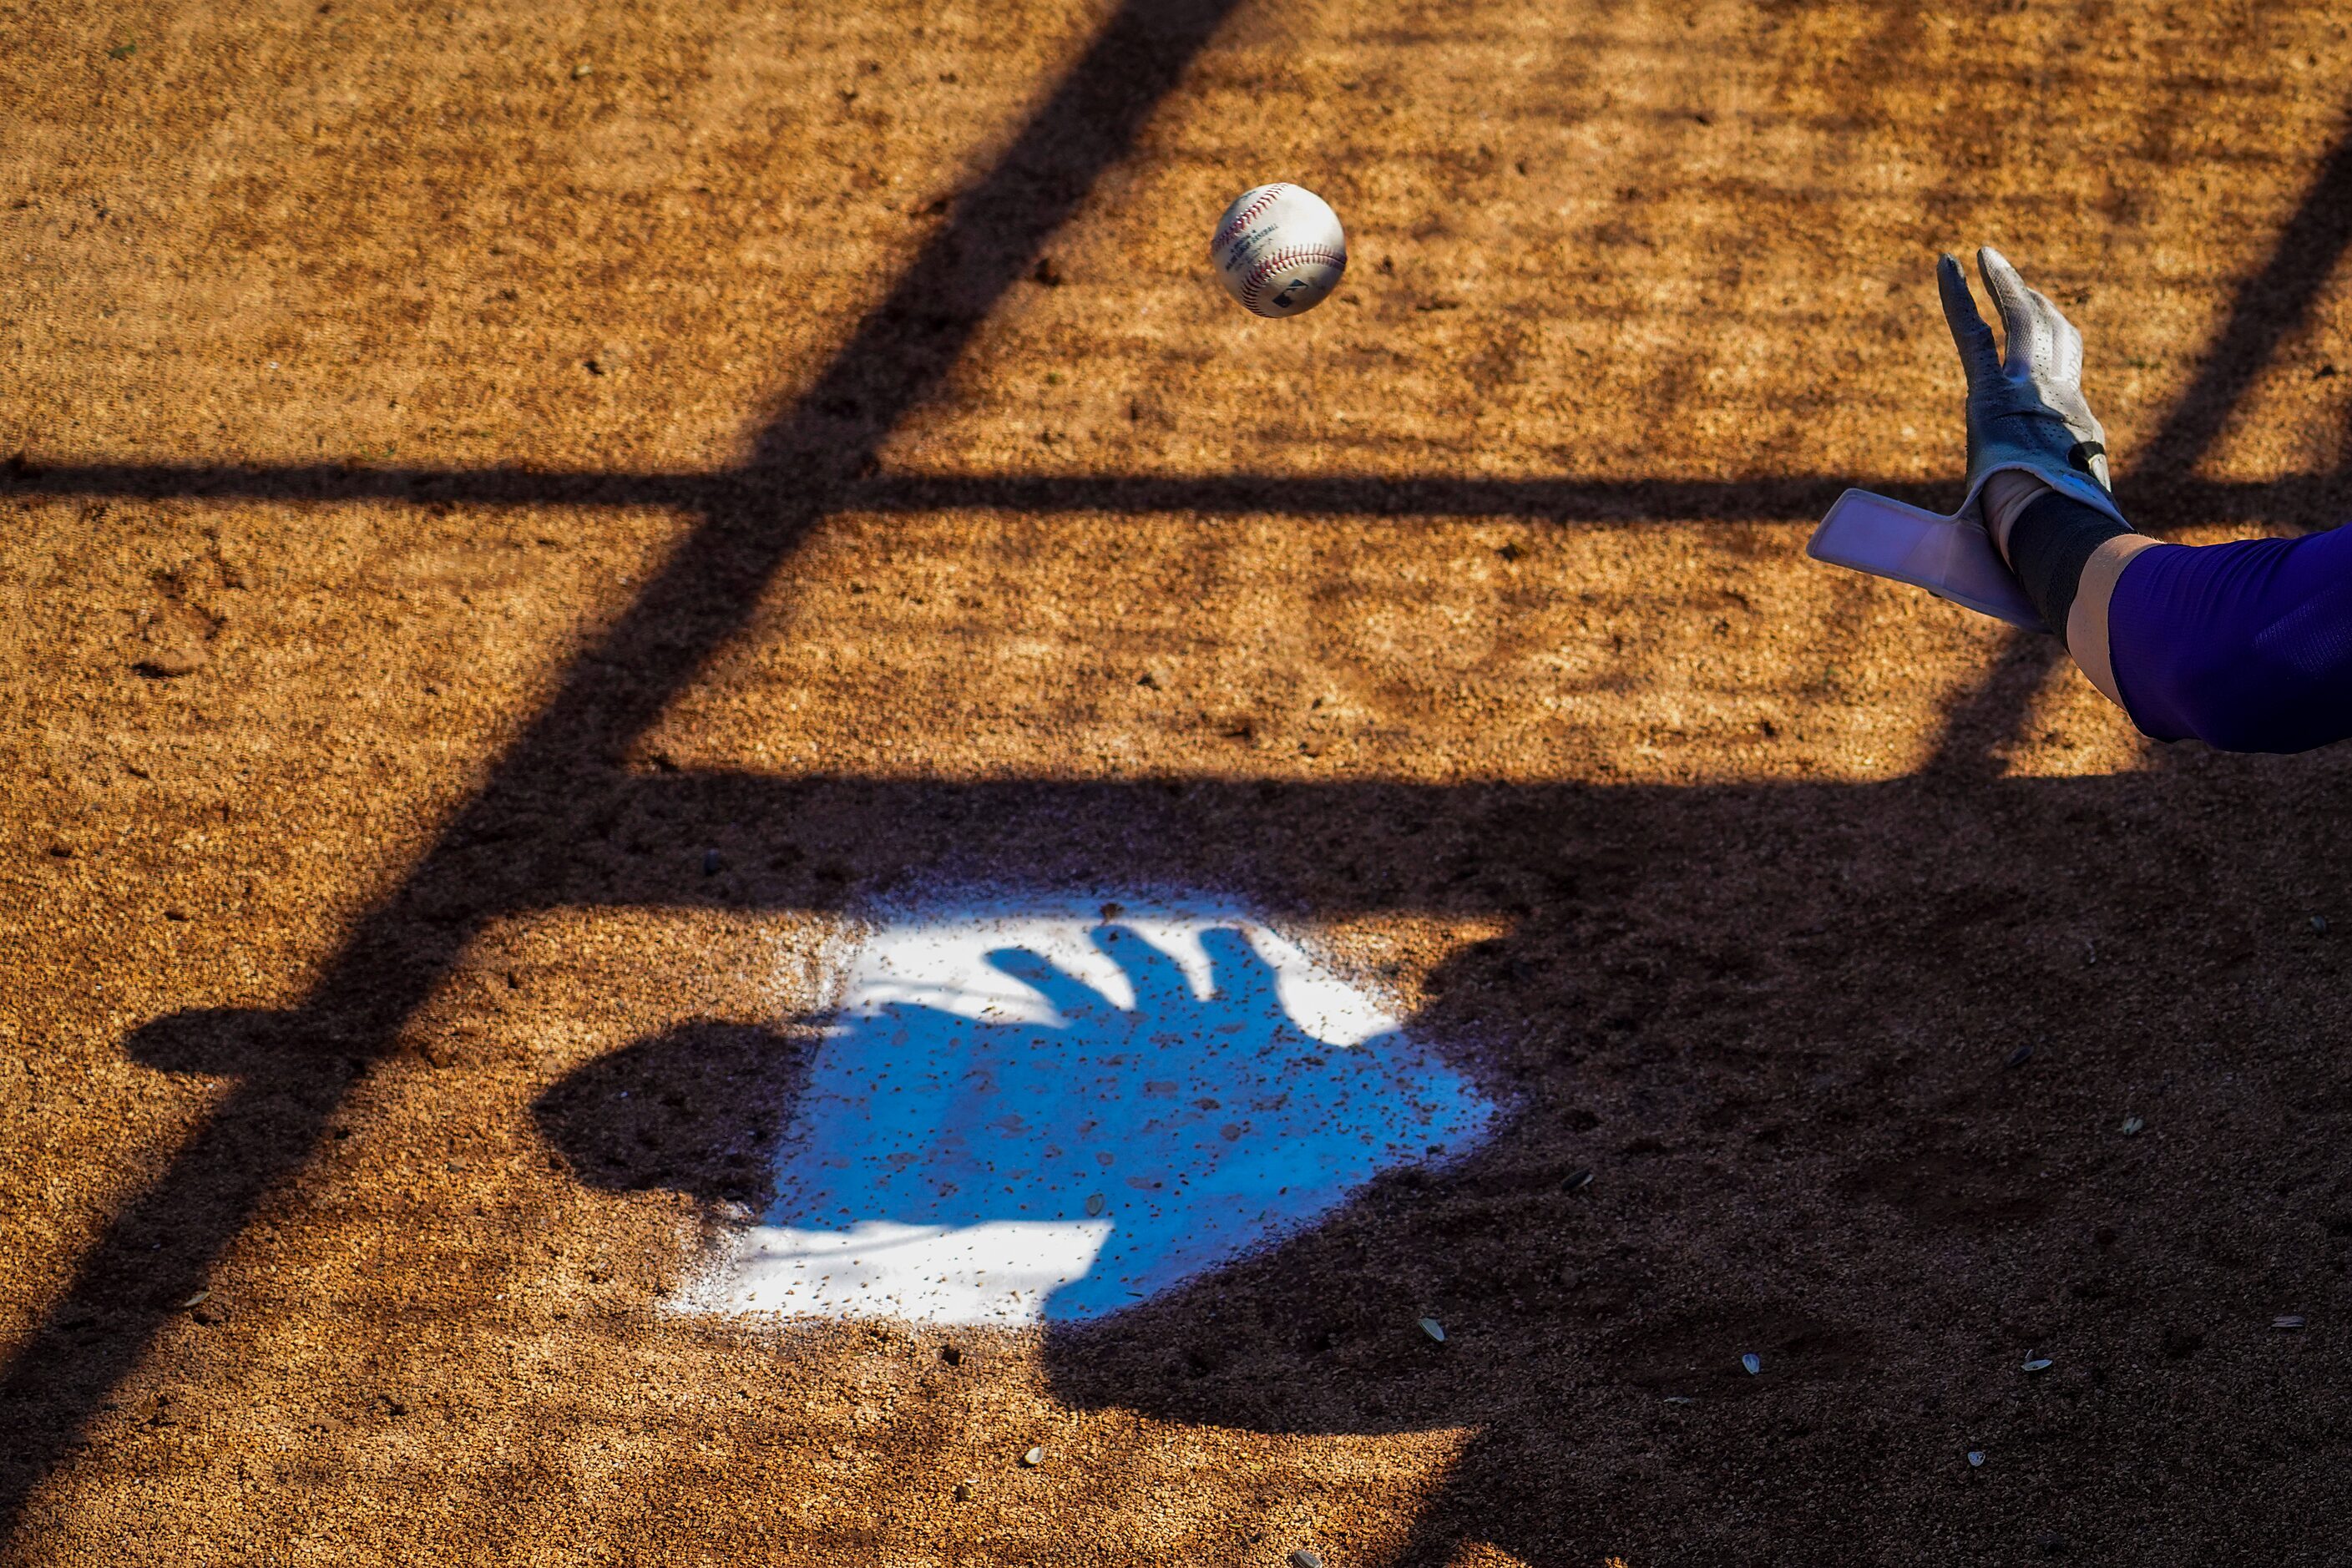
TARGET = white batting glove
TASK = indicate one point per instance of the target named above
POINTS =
(2025, 409)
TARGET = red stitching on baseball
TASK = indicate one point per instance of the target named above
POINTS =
(1242, 220)
(1256, 282)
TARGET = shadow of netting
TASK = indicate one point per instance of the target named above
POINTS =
(511, 836)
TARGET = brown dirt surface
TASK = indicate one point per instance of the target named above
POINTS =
(461, 464)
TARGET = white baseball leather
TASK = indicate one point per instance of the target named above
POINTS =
(1279, 250)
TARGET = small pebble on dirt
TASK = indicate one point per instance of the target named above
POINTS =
(1976, 1458)
(1302, 1558)
(169, 655)
(1680, 1399)
(710, 862)
(2132, 1125)
(2319, 924)
(1434, 1329)
(2039, 1363)
(581, 72)
(2020, 1056)
(1033, 1457)
(1577, 1181)
(963, 1491)
(1753, 1362)
(2288, 1321)
(197, 1300)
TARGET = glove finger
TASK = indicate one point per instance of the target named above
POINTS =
(2022, 314)
(1979, 355)
(2067, 364)
(2042, 345)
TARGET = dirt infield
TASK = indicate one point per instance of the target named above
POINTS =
(520, 525)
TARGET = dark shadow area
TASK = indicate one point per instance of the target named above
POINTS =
(353, 482)
(1849, 1065)
(232, 1042)
(290, 1074)
(2303, 501)
(695, 1110)
(1850, 1068)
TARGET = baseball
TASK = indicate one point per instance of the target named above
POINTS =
(1279, 250)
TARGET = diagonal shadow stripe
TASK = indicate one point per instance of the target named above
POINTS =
(2269, 307)
(292, 1068)
(1982, 721)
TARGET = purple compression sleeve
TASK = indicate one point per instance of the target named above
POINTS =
(2246, 646)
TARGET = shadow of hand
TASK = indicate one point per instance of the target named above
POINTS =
(694, 1108)
(1078, 1140)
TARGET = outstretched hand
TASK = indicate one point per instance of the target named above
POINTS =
(2025, 405)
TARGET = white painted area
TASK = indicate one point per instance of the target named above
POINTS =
(1031, 1109)
(943, 964)
(997, 1272)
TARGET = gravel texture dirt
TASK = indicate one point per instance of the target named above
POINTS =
(461, 467)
